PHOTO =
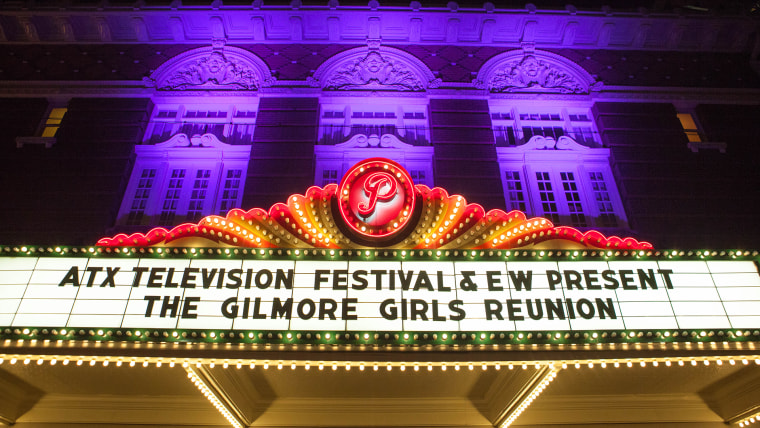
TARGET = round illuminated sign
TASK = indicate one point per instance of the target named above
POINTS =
(376, 198)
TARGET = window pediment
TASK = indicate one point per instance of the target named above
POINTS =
(228, 68)
(521, 71)
(383, 68)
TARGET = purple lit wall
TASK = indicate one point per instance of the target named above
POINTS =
(442, 84)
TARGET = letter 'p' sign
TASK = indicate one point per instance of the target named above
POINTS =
(379, 186)
(376, 198)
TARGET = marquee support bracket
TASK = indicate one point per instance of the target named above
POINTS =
(206, 383)
(529, 392)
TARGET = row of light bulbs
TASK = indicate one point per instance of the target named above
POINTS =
(750, 420)
(697, 336)
(376, 365)
(395, 253)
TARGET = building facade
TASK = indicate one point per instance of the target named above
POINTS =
(120, 117)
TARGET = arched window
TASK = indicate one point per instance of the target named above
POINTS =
(207, 91)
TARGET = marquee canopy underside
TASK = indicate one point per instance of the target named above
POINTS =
(77, 383)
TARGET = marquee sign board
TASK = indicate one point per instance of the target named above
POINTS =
(394, 294)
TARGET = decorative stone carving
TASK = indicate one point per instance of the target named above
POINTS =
(539, 142)
(207, 68)
(530, 72)
(374, 72)
(197, 140)
(376, 69)
(213, 70)
(374, 140)
(521, 71)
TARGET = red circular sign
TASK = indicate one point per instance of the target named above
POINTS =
(376, 198)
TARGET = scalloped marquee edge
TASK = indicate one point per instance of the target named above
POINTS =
(307, 221)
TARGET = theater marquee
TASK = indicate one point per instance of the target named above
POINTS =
(352, 294)
(376, 258)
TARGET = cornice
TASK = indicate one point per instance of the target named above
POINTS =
(350, 25)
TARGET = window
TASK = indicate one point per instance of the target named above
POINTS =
(697, 140)
(328, 176)
(341, 121)
(514, 191)
(183, 180)
(689, 127)
(231, 120)
(569, 184)
(48, 128)
(53, 121)
(513, 126)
